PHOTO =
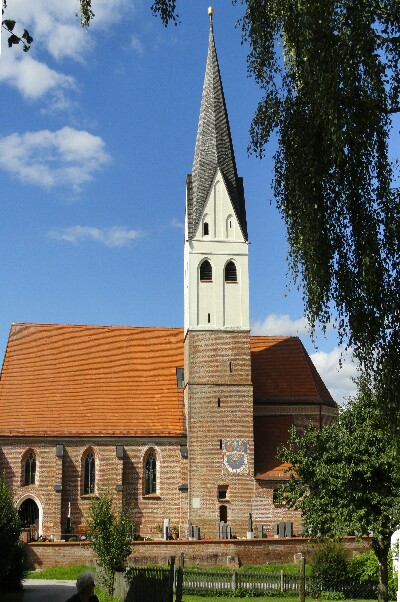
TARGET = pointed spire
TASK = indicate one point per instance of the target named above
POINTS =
(214, 147)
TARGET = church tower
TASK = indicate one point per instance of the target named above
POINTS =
(218, 389)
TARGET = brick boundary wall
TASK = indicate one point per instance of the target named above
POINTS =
(232, 553)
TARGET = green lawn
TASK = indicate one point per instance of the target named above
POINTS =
(256, 599)
(59, 572)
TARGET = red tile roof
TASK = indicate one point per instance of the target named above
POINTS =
(102, 381)
(282, 370)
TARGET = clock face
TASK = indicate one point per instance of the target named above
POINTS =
(235, 455)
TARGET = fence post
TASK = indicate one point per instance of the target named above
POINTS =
(282, 582)
(302, 588)
(234, 580)
(179, 579)
(171, 578)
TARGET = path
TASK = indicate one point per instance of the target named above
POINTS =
(48, 590)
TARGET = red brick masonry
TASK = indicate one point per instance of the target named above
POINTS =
(203, 553)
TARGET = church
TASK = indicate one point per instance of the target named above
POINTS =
(175, 423)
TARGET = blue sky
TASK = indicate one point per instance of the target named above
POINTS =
(97, 135)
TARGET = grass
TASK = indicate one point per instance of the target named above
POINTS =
(256, 599)
(59, 572)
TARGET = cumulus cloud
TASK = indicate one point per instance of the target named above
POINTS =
(66, 157)
(117, 236)
(282, 324)
(34, 79)
(55, 27)
(337, 379)
(56, 32)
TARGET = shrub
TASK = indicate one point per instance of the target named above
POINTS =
(329, 562)
(17, 569)
(10, 527)
(364, 569)
(111, 536)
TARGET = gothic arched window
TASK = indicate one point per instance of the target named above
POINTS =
(206, 271)
(30, 469)
(230, 272)
(150, 474)
(89, 473)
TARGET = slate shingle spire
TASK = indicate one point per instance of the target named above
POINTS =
(214, 149)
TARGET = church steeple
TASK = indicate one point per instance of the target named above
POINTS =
(214, 149)
(216, 243)
(218, 391)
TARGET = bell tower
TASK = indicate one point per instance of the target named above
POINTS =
(218, 389)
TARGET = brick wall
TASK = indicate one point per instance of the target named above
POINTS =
(202, 553)
(147, 511)
(219, 402)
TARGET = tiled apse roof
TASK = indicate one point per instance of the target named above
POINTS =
(103, 381)
(214, 149)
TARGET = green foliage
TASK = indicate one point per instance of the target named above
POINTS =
(329, 561)
(330, 74)
(365, 569)
(111, 536)
(345, 478)
(332, 595)
(60, 572)
(10, 527)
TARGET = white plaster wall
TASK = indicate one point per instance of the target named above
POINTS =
(227, 303)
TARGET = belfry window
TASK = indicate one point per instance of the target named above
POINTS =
(230, 272)
(30, 470)
(89, 473)
(206, 271)
(150, 474)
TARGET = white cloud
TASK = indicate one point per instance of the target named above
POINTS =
(283, 325)
(176, 223)
(136, 45)
(57, 31)
(117, 236)
(338, 380)
(34, 79)
(66, 157)
(55, 27)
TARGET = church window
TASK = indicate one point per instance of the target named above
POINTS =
(230, 272)
(205, 229)
(30, 470)
(206, 271)
(150, 474)
(223, 513)
(223, 492)
(89, 473)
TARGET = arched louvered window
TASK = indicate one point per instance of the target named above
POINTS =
(206, 271)
(30, 470)
(150, 474)
(89, 473)
(230, 272)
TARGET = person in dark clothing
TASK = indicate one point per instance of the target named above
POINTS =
(85, 587)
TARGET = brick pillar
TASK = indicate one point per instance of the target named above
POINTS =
(58, 492)
(219, 402)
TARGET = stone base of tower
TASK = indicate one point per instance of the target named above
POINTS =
(219, 406)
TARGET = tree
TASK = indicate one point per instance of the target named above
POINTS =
(110, 537)
(329, 71)
(10, 528)
(345, 480)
